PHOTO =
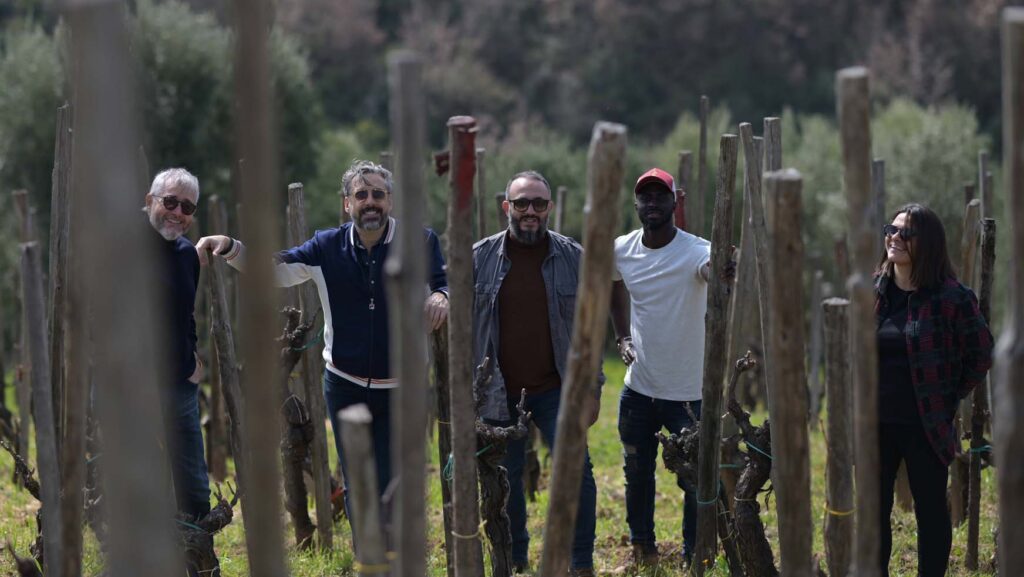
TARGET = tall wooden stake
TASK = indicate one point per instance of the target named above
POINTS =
(980, 401)
(839, 459)
(371, 549)
(716, 346)
(254, 143)
(407, 274)
(605, 168)
(439, 348)
(22, 382)
(1008, 417)
(481, 186)
(311, 382)
(42, 406)
(788, 414)
(60, 214)
(854, 110)
(878, 200)
(217, 440)
(499, 197)
(985, 192)
(772, 143)
(702, 170)
(560, 209)
(814, 382)
(468, 551)
(684, 200)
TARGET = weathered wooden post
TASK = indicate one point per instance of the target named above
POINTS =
(839, 461)
(32, 295)
(985, 192)
(762, 256)
(387, 160)
(442, 388)
(481, 186)
(854, 110)
(683, 199)
(815, 386)
(217, 440)
(560, 209)
(60, 214)
(468, 550)
(969, 193)
(697, 216)
(605, 167)
(788, 412)
(878, 199)
(772, 143)
(128, 363)
(1008, 415)
(969, 241)
(715, 362)
(980, 401)
(309, 302)
(368, 535)
(23, 387)
(407, 275)
(499, 198)
(254, 142)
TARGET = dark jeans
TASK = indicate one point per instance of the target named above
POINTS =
(640, 417)
(544, 407)
(341, 393)
(185, 444)
(928, 478)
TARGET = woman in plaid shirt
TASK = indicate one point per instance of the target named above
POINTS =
(934, 347)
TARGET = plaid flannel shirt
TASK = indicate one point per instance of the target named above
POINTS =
(950, 350)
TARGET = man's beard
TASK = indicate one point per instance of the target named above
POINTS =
(654, 222)
(528, 236)
(167, 229)
(372, 225)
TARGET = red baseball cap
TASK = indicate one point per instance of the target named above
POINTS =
(655, 175)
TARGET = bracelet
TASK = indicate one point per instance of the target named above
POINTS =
(228, 250)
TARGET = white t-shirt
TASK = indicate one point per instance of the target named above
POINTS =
(668, 302)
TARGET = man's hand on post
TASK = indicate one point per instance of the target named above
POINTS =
(626, 350)
(217, 244)
(436, 310)
(592, 409)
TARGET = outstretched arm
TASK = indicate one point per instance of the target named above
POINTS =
(620, 322)
(229, 249)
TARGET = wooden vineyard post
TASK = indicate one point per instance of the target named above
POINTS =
(60, 213)
(985, 192)
(42, 405)
(762, 256)
(683, 199)
(980, 401)
(1008, 397)
(715, 362)
(223, 344)
(560, 209)
(839, 461)
(387, 160)
(368, 535)
(309, 302)
(499, 198)
(23, 388)
(254, 142)
(969, 241)
(481, 186)
(466, 516)
(878, 200)
(439, 348)
(217, 442)
(772, 143)
(697, 216)
(854, 109)
(605, 168)
(814, 350)
(407, 274)
(969, 193)
(790, 444)
(121, 295)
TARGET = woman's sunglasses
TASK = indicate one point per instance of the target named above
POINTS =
(172, 202)
(904, 233)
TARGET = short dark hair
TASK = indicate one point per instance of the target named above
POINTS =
(361, 168)
(529, 174)
(929, 259)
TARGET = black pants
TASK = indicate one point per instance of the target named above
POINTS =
(928, 478)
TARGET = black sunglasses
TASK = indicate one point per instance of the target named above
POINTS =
(904, 233)
(539, 204)
(377, 193)
(172, 202)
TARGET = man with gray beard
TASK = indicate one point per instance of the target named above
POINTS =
(524, 302)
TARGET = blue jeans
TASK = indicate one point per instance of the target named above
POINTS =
(544, 407)
(341, 393)
(185, 444)
(640, 417)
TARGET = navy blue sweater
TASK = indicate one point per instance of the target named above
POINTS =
(352, 291)
(178, 279)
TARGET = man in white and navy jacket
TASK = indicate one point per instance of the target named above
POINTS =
(346, 263)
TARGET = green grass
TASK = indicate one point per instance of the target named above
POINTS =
(612, 551)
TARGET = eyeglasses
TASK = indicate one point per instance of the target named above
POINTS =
(904, 233)
(377, 193)
(172, 202)
(539, 204)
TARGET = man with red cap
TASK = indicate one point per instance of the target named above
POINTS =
(659, 299)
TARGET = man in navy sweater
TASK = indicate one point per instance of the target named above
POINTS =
(346, 263)
(170, 204)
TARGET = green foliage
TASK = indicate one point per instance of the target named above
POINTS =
(338, 148)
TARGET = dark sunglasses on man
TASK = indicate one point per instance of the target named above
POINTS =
(539, 204)
(377, 193)
(172, 202)
(904, 233)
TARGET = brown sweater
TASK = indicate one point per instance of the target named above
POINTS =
(526, 355)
